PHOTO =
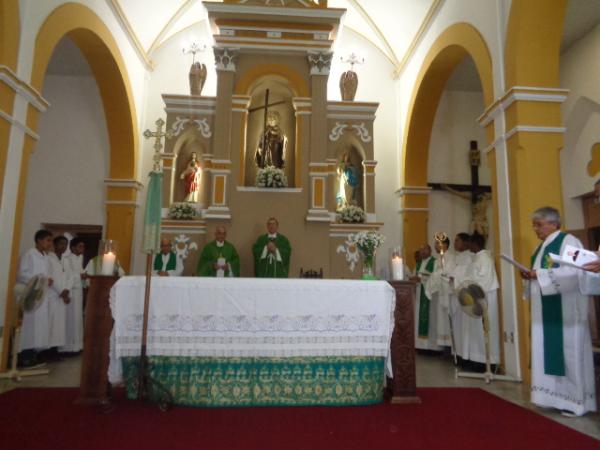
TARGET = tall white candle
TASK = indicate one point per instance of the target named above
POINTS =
(397, 268)
(108, 263)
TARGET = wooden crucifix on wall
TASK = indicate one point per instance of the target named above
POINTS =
(480, 196)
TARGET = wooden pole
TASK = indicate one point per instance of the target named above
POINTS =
(143, 373)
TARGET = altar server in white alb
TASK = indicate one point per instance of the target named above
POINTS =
(482, 272)
(43, 327)
(426, 315)
(462, 264)
(73, 265)
(562, 369)
(439, 289)
(59, 293)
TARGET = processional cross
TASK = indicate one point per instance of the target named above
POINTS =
(158, 135)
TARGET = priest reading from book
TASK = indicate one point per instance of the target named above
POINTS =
(219, 258)
(272, 253)
(426, 313)
(562, 367)
(166, 263)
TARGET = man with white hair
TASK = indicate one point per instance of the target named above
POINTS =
(167, 263)
(562, 368)
(219, 258)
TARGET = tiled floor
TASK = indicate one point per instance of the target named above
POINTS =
(432, 371)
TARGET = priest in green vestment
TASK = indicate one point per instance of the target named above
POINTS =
(166, 263)
(219, 258)
(272, 253)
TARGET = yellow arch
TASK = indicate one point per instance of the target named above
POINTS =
(102, 53)
(445, 54)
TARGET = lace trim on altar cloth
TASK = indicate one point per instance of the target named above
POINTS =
(241, 323)
(568, 398)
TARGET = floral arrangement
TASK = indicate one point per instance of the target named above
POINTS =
(367, 242)
(182, 211)
(271, 177)
(351, 214)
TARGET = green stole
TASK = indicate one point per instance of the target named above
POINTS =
(424, 302)
(171, 263)
(552, 320)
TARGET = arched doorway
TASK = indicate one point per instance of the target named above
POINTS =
(95, 41)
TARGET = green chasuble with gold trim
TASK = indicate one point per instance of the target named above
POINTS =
(267, 265)
(552, 320)
(211, 253)
(424, 301)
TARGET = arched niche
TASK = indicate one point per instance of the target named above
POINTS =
(280, 94)
(187, 144)
(349, 157)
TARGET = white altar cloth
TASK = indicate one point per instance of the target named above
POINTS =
(252, 317)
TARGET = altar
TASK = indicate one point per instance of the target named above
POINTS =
(244, 341)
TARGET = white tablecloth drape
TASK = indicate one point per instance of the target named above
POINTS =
(250, 317)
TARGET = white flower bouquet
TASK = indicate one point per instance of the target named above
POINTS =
(367, 242)
(351, 214)
(182, 211)
(271, 177)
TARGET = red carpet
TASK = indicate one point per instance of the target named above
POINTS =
(447, 419)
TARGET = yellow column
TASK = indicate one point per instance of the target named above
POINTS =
(415, 217)
(121, 204)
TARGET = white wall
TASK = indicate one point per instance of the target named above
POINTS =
(70, 161)
(454, 126)
(580, 72)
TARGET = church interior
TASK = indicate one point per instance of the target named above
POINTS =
(314, 121)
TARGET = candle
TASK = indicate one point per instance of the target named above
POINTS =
(397, 268)
(220, 263)
(108, 263)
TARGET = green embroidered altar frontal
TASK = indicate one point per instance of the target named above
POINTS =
(291, 381)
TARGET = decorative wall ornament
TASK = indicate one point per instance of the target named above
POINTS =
(351, 251)
(362, 132)
(181, 122)
(320, 62)
(360, 129)
(183, 246)
(225, 58)
(337, 131)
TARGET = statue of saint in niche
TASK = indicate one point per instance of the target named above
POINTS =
(349, 179)
(191, 179)
(272, 144)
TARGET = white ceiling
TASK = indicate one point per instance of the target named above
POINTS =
(390, 25)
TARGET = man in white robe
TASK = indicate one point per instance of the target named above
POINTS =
(73, 264)
(59, 294)
(439, 289)
(426, 315)
(462, 264)
(562, 369)
(482, 271)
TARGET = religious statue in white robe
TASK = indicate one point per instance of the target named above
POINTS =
(562, 369)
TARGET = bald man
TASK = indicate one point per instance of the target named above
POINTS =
(166, 263)
(219, 258)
